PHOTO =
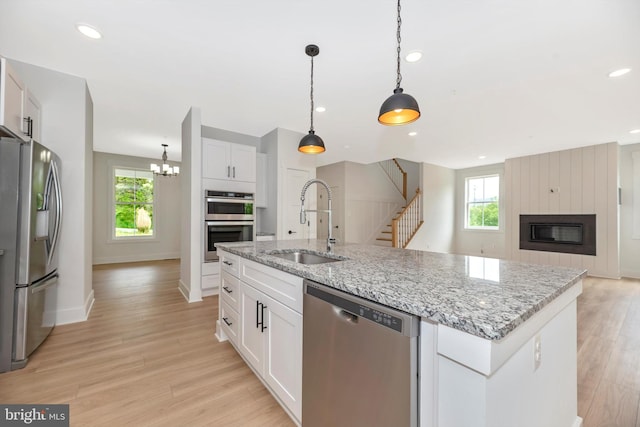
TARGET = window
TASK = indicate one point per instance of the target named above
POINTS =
(482, 202)
(133, 203)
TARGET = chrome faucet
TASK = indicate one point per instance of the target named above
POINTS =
(303, 212)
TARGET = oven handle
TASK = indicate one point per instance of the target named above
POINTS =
(214, 200)
(229, 223)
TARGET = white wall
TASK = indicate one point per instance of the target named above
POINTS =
(67, 117)
(192, 231)
(368, 198)
(584, 181)
(414, 176)
(490, 243)
(437, 232)
(630, 189)
(165, 245)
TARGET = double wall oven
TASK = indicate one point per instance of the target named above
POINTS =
(229, 217)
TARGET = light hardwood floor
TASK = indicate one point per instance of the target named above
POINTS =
(147, 358)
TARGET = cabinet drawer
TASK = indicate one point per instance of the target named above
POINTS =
(229, 321)
(283, 287)
(230, 290)
(229, 263)
(210, 282)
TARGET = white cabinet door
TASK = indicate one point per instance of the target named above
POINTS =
(32, 113)
(216, 159)
(283, 354)
(12, 96)
(243, 163)
(227, 161)
(252, 338)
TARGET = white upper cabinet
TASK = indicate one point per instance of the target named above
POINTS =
(31, 122)
(228, 161)
(12, 101)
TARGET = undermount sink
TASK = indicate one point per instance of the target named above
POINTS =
(303, 257)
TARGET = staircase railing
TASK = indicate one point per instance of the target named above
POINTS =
(407, 223)
(397, 175)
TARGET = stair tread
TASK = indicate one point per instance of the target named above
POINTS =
(386, 232)
(383, 238)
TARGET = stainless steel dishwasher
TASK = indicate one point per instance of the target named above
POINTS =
(360, 362)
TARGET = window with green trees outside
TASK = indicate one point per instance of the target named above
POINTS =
(482, 202)
(133, 203)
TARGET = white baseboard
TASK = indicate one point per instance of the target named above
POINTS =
(577, 422)
(138, 257)
(187, 294)
(76, 314)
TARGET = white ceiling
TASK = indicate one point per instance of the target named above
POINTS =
(499, 78)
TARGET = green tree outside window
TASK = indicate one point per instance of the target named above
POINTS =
(482, 206)
(133, 196)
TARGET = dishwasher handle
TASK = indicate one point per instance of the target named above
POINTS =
(345, 315)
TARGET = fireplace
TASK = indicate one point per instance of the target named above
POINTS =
(572, 234)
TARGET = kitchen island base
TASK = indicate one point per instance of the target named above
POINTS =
(527, 379)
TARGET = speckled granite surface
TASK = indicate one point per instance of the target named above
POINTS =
(482, 296)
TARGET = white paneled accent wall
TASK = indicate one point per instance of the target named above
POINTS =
(579, 181)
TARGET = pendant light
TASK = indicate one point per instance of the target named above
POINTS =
(166, 170)
(311, 143)
(400, 108)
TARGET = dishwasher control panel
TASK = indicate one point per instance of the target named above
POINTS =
(366, 311)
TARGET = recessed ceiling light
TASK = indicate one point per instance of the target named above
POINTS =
(620, 72)
(635, 131)
(89, 31)
(413, 56)
(321, 109)
(482, 157)
(413, 133)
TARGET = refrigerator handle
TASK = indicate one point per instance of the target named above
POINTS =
(58, 209)
(41, 286)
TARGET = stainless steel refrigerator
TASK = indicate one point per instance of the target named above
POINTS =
(30, 220)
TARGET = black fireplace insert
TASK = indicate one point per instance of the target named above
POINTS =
(573, 234)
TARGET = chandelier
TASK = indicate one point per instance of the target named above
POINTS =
(166, 169)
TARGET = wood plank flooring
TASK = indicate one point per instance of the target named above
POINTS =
(147, 358)
(609, 353)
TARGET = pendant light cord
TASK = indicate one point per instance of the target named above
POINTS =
(311, 129)
(399, 76)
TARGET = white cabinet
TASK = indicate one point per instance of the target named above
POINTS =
(31, 120)
(271, 341)
(261, 180)
(261, 314)
(12, 101)
(228, 161)
(210, 280)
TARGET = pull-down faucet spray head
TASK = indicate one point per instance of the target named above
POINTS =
(303, 213)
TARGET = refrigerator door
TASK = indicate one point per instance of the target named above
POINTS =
(35, 316)
(9, 181)
(40, 213)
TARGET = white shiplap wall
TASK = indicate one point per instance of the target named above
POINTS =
(579, 181)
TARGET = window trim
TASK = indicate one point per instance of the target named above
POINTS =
(466, 203)
(112, 222)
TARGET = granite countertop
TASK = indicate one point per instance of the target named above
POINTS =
(485, 297)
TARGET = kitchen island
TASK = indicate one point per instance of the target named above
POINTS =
(497, 338)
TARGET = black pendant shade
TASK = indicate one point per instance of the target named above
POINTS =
(311, 144)
(399, 109)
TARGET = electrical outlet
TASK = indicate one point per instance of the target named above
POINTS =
(537, 352)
